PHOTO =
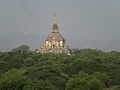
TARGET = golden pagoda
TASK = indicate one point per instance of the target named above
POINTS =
(55, 43)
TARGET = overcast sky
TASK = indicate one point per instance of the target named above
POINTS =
(82, 19)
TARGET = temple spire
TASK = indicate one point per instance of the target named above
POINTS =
(55, 43)
(55, 20)
(55, 27)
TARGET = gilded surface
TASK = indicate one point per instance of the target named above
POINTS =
(55, 43)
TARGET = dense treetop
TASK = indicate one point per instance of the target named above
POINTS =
(86, 69)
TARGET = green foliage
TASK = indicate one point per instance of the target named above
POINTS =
(4, 66)
(29, 62)
(50, 73)
(13, 80)
(117, 88)
(39, 85)
(87, 51)
(83, 81)
(23, 69)
(16, 80)
(88, 66)
(21, 48)
(103, 77)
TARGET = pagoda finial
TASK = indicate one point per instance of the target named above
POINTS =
(55, 20)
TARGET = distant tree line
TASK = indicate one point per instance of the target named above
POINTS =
(86, 69)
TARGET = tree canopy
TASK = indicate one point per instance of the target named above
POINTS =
(86, 69)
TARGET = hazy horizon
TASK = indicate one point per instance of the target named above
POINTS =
(90, 20)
